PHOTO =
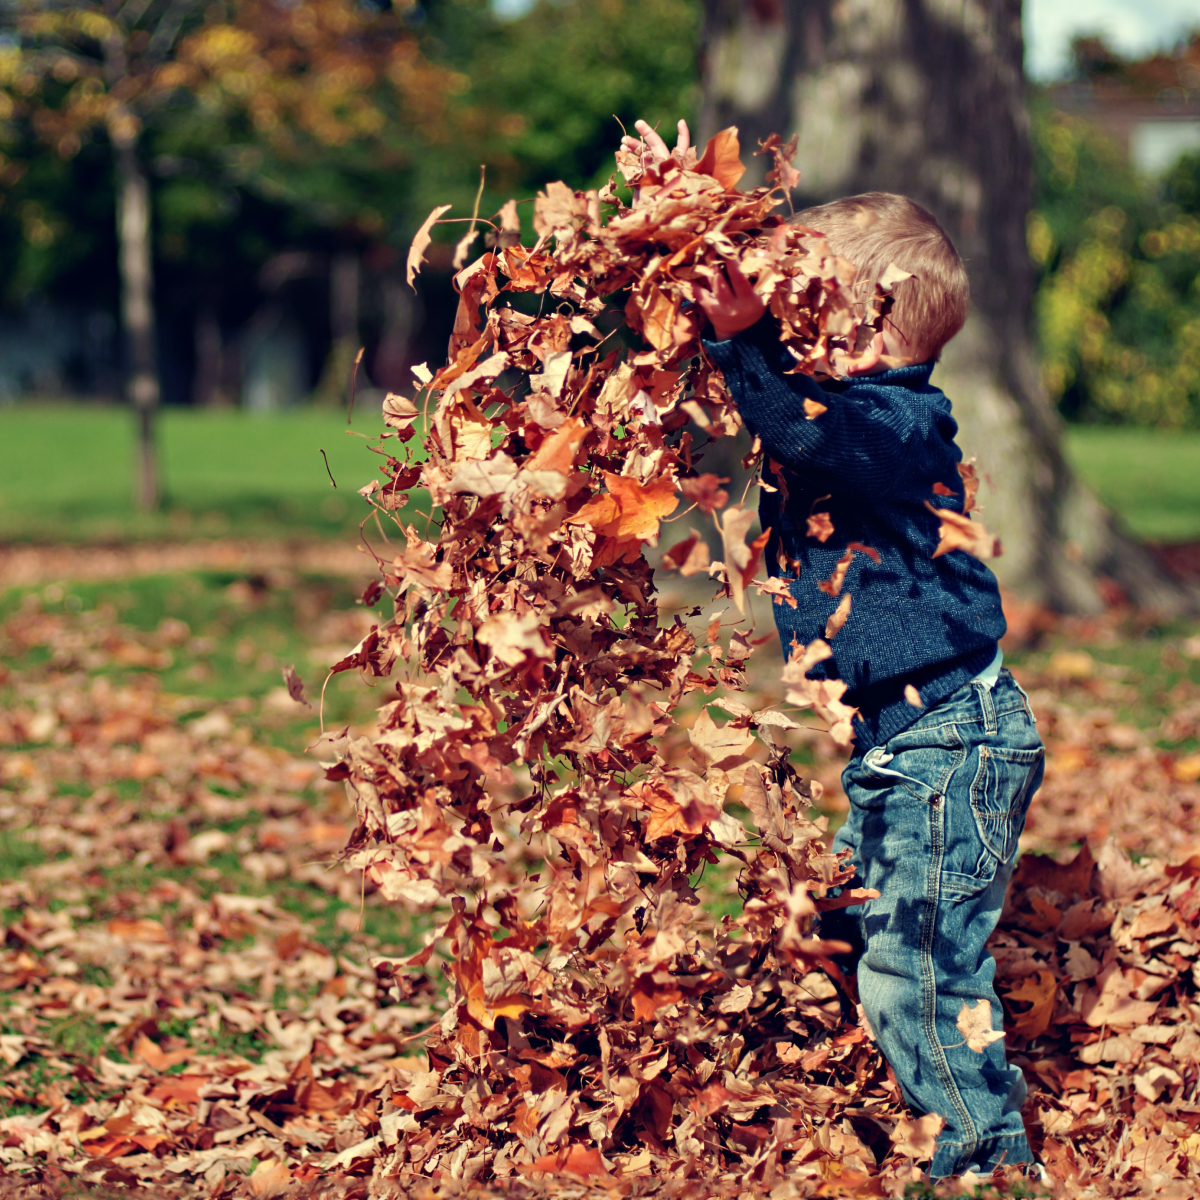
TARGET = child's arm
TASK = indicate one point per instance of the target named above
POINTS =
(851, 435)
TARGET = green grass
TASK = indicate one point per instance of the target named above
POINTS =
(66, 473)
(1150, 476)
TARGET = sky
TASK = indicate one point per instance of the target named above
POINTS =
(1134, 28)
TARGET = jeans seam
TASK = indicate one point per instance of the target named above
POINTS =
(937, 818)
(996, 1137)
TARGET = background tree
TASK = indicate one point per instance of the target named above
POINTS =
(929, 101)
(256, 86)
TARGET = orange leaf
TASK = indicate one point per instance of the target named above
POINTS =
(155, 1057)
(820, 527)
(688, 557)
(838, 618)
(705, 492)
(557, 452)
(959, 532)
(1039, 991)
(630, 511)
(723, 158)
(578, 1160)
(813, 409)
(144, 929)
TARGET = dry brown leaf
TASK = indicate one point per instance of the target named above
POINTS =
(917, 1138)
(959, 532)
(838, 618)
(975, 1024)
(420, 243)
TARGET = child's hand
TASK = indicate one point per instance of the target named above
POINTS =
(651, 142)
(732, 304)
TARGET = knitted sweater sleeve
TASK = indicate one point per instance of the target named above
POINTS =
(859, 440)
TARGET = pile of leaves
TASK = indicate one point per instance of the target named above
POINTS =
(165, 998)
(167, 1017)
(528, 766)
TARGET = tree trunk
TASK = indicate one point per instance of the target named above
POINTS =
(343, 327)
(137, 309)
(927, 99)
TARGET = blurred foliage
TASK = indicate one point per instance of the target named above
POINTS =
(314, 124)
(547, 94)
(265, 125)
(1118, 304)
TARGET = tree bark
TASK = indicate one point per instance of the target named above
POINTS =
(137, 309)
(927, 98)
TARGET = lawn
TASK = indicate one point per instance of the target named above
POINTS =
(1150, 476)
(65, 474)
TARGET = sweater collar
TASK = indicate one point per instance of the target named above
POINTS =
(914, 376)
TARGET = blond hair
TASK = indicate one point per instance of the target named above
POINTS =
(879, 228)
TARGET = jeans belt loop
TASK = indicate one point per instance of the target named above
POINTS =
(987, 704)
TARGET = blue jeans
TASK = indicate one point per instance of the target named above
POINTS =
(935, 814)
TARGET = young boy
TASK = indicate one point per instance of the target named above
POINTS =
(942, 775)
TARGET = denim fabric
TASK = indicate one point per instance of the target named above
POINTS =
(935, 814)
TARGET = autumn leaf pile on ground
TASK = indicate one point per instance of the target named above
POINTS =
(175, 930)
(178, 1005)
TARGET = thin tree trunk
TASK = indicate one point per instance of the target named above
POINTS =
(137, 309)
(928, 99)
(206, 378)
(343, 327)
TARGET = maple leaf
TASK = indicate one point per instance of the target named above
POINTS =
(833, 585)
(270, 1179)
(970, 478)
(577, 1160)
(1039, 991)
(557, 452)
(975, 1024)
(813, 409)
(917, 1139)
(420, 243)
(741, 560)
(782, 173)
(630, 510)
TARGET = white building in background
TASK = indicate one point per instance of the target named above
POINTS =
(1157, 143)
(1151, 108)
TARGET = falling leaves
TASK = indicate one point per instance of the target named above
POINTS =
(959, 532)
(975, 1024)
(420, 243)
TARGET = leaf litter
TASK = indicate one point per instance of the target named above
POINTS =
(617, 859)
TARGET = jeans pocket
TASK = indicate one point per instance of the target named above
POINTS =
(1000, 795)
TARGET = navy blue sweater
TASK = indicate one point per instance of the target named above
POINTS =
(870, 462)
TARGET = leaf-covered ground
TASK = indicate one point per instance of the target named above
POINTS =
(196, 999)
